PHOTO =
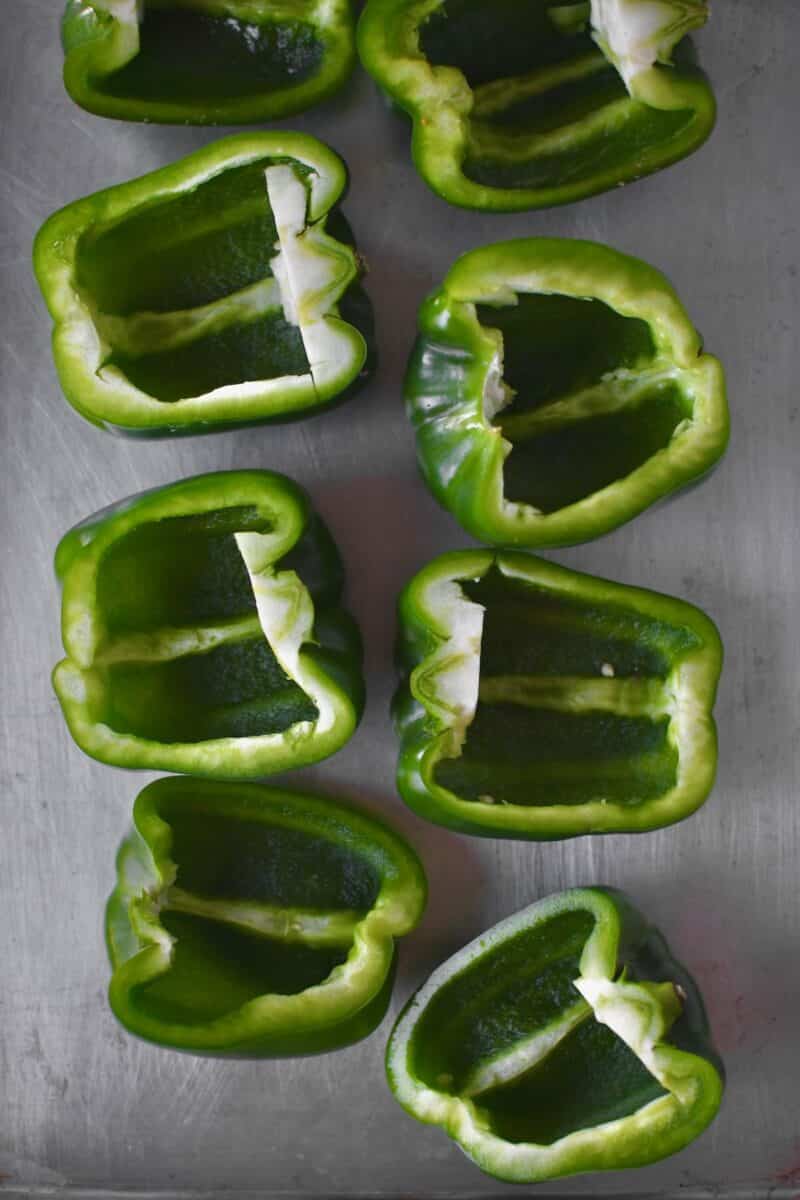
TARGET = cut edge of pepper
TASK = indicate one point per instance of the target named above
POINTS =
(103, 394)
(285, 613)
(689, 691)
(140, 949)
(92, 57)
(439, 101)
(494, 275)
(639, 1014)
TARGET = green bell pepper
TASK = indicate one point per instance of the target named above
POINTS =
(208, 294)
(205, 62)
(203, 631)
(565, 1039)
(519, 106)
(541, 703)
(557, 388)
(248, 921)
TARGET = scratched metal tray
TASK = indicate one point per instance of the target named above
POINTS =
(86, 1109)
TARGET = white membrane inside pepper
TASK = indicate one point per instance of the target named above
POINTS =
(636, 34)
(311, 270)
(286, 615)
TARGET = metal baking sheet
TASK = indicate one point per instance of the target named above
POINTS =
(87, 1110)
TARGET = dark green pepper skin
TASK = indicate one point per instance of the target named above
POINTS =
(539, 703)
(285, 905)
(514, 108)
(204, 633)
(544, 420)
(566, 1039)
(205, 62)
(169, 318)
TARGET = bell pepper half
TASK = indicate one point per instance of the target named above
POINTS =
(208, 294)
(248, 921)
(557, 388)
(541, 703)
(203, 631)
(205, 62)
(566, 1039)
(519, 106)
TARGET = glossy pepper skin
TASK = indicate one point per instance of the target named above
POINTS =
(209, 294)
(566, 1039)
(540, 703)
(252, 921)
(557, 388)
(527, 106)
(205, 62)
(203, 631)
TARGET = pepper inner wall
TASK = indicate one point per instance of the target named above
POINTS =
(195, 260)
(189, 55)
(591, 402)
(544, 97)
(574, 704)
(177, 573)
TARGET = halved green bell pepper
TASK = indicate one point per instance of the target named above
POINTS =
(208, 294)
(541, 703)
(565, 1039)
(519, 106)
(557, 388)
(205, 62)
(249, 921)
(203, 631)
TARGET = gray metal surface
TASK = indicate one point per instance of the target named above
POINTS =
(83, 1105)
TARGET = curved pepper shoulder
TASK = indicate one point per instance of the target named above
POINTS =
(287, 904)
(557, 388)
(203, 631)
(566, 1039)
(539, 703)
